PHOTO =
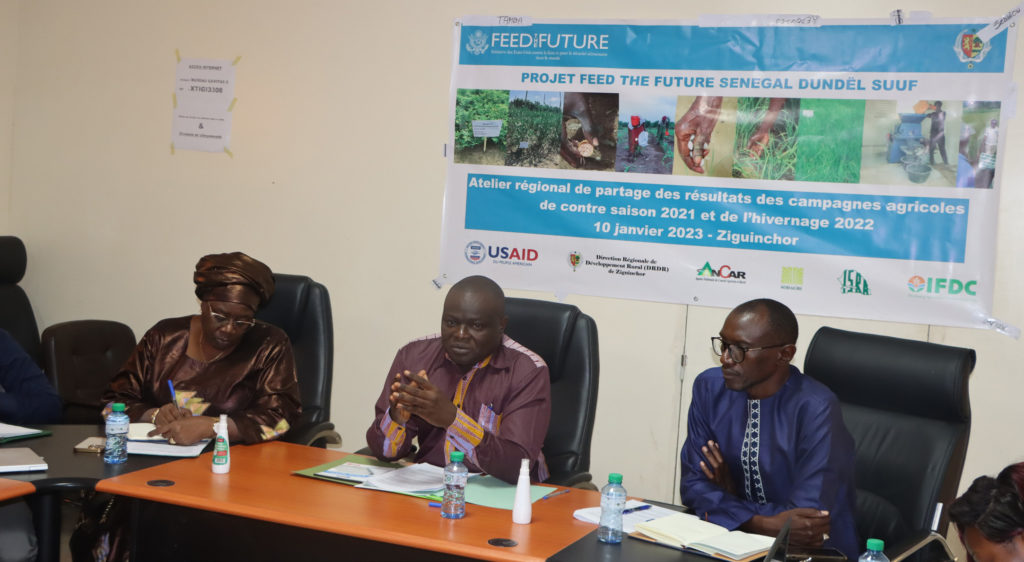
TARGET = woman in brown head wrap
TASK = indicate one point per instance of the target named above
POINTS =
(221, 361)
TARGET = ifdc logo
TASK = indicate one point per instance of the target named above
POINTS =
(475, 252)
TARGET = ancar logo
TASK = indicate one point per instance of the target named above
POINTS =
(574, 260)
(724, 272)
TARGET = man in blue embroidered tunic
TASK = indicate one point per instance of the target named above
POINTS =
(765, 443)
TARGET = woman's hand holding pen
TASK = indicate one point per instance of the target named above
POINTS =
(186, 430)
(166, 414)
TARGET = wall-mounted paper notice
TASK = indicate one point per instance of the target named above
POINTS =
(204, 89)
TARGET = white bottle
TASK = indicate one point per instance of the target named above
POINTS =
(874, 552)
(221, 447)
(522, 509)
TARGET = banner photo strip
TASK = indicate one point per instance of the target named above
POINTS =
(845, 168)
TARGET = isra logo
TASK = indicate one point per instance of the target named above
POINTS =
(853, 282)
(723, 272)
(574, 260)
(941, 286)
(477, 44)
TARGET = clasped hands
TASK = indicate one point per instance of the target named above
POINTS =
(179, 426)
(414, 394)
(808, 526)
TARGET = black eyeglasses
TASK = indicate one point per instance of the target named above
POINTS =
(236, 323)
(736, 352)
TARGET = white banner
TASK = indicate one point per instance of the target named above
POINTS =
(846, 168)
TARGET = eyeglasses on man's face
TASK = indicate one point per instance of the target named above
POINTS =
(736, 351)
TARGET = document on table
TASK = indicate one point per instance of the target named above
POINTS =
(21, 459)
(164, 449)
(629, 520)
(14, 432)
(421, 478)
(354, 471)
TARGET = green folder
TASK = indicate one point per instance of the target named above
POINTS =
(17, 437)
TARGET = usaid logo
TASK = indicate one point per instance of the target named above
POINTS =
(475, 252)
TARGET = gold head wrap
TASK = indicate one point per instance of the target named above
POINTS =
(233, 277)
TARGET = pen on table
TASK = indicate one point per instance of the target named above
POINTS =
(174, 397)
(553, 494)
(434, 504)
(637, 508)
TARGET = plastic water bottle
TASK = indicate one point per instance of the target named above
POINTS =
(116, 450)
(613, 500)
(455, 476)
(874, 552)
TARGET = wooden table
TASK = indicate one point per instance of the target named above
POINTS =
(261, 486)
(14, 489)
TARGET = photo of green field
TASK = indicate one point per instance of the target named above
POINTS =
(534, 129)
(829, 144)
(766, 135)
(480, 105)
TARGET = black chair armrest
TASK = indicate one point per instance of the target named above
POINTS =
(573, 480)
(313, 435)
(915, 542)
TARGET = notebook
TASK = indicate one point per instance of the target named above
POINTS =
(21, 459)
(686, 531)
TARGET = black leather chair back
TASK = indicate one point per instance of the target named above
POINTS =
(907, 406)
(16, 316)
(81, 357)
(567, 341)
(302, 308)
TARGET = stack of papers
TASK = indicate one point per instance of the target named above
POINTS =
(21, 459)
(418, 479)
(629, 520)
(354, 471)
(682, 530)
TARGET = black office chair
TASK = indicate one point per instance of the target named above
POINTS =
(566, 339)
(16, 316)
(80, 358)
(907, 406)
(302, 308)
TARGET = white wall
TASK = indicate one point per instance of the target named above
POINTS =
(8, 59)
(337, 173)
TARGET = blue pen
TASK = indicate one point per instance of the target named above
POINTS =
(637, 508)
(434, 504)
(174, 397)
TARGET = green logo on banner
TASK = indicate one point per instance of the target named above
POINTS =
(854, 282)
